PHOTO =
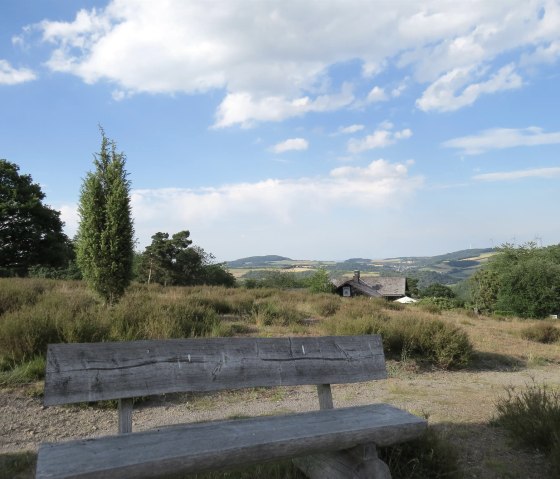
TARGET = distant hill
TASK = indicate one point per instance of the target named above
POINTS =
(257, 261)
(446, 268)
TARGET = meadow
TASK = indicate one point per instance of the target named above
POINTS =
(452, 366)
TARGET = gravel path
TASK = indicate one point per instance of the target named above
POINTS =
(460, 403)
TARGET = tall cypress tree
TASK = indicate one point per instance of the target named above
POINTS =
(105, 241)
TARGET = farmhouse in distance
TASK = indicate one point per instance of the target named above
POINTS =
(390, 288)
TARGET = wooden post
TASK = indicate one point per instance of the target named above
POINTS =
(360, 462)
(325, 396)
(125, 415)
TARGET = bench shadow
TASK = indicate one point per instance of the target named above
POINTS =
(486, 451)
(487, 361)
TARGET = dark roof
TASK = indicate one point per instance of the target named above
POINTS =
(378, 286)
(360, 286)
(388, 285)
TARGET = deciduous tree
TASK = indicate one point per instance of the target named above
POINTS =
(30, 231)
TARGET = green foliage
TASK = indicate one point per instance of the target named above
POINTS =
(428, 457)
(542, 333)
(274, 279)
(532, 416)
(24, 373)
(522, 280)
(173, 261)
(409, 335)
(320, 282)
(17, 465)
(438, 304)
(412, 287)
(30, 232)
(437, 290)
(484, 287)
(105, 238)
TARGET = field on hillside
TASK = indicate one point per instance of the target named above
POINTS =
(450, 366)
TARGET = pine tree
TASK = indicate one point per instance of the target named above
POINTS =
(105, 241)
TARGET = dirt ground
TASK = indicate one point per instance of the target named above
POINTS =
(460, 403)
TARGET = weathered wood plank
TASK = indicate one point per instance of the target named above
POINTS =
(225, 444)
(97, 371)
(361, 462)
(125, 416)
(325, 396)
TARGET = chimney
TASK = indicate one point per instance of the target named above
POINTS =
(357, 275)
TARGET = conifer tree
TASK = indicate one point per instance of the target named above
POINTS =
(105, 240)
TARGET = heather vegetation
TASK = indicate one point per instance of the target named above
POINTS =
(532, 416)
(38, 312)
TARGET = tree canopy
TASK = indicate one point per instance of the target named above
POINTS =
(105, 238)
(523, 280)
(175, 261)
(30, 231)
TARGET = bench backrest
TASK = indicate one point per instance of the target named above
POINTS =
(100, 371)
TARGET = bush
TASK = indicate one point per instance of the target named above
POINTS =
(532, 417)
(275, 312)
(541, 333)
(408, 335)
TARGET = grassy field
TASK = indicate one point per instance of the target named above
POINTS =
(451, 366)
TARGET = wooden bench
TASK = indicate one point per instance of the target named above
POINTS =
(327, 443)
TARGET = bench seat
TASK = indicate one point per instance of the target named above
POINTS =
(223, 444)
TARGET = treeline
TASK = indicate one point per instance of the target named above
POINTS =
(33, 244)
(523, 281)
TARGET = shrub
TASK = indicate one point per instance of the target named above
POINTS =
(326, 304)
(532, 417)
(16, 292)
(275, 312)
(541, 333)
(408, 335)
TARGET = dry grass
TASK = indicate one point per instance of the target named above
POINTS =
(459, 403)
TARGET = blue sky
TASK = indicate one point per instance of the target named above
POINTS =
(315, 130)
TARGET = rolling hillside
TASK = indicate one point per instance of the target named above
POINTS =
(447, 268)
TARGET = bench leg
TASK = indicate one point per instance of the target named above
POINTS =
(360, 462)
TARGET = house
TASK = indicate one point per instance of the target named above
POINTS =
(390, 288)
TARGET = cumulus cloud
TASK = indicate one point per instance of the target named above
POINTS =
(553, 172)
(244, 109)
(347, 130)
(380, 138)
(500, 138)
(12, 76)
(454, 90)
(289, 204)
(276, 56)
(292, 144)
(376, 94)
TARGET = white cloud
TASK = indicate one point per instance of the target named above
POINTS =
(454, 90)
(271, 210)
(12, 76)
(292, 144)
(500, 138)
(292, 206)
(376, 94)
(276, 55)
(380, 138)
(243, 109)
(553, 172)
(346, 130)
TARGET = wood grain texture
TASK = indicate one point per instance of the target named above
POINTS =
(125, 416)
(361, 462)
(98, 371)
(216, 445)
(325, 396)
